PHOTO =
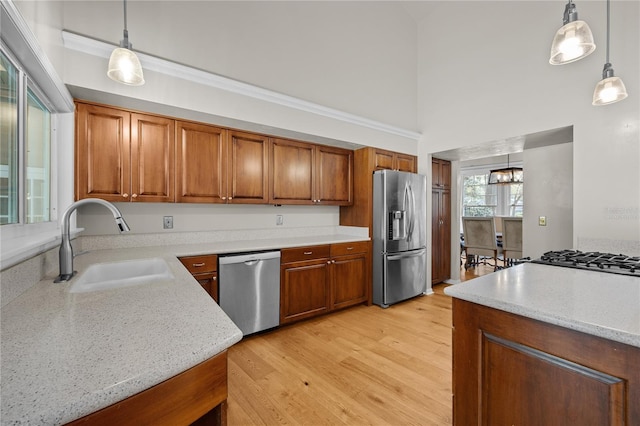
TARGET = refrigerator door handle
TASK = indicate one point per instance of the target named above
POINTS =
(412, 210)
(415, 253)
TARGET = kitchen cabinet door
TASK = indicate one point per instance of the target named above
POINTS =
(304, 290)
(440, 235)
(334, 171)
(204, 269)
(389, 160)
(291, 169)
(103, 160)
(124, 156)
(152, 158)
(406, 163)
(441, 174)
(201, 163)
(350, 274)
(248, 178)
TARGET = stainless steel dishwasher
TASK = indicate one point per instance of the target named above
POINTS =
(250, 289)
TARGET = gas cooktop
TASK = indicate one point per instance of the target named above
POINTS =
(593, 261)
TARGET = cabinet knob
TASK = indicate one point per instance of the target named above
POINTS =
(224, 198)
(231, 198)
(134, 195)
(125, 195)
(215, 278)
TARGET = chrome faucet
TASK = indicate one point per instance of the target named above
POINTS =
(66, 251)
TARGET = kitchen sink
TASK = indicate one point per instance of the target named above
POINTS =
(113, 275)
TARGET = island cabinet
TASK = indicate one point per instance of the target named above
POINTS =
(302, 173)
(195, 396)
(318, 279)
(440, 220)
(366, 161)
(512, 370)
(123, 155)
(216, 165)
(204, 269)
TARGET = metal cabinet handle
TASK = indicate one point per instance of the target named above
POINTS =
(125, 195)
(215, 278)
(349, 248)
(308, 252)
(198, 265)
(134, 196)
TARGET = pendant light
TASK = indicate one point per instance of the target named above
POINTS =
(124, 66)
(506, 176)
(610, 89)
(573, 41)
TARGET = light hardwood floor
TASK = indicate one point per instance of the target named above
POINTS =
(363, 365)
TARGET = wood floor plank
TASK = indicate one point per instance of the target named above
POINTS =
(363, 365)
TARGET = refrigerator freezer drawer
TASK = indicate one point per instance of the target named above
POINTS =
(403, 277)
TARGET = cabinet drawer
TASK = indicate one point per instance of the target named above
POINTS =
(304, 253)
(349, 248)
(200, 264)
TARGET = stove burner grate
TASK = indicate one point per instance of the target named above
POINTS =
(605, 262)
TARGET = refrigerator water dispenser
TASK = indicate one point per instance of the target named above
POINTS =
(397, 225)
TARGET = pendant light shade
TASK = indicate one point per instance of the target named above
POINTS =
(573, 41)
(124, 65)
(506, 176)
(610, 89)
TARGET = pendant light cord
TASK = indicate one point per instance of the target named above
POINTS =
(608, 26)
(125, 14)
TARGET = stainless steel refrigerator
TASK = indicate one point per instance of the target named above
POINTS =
(399, 236)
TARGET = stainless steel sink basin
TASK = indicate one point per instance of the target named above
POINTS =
(112, 275)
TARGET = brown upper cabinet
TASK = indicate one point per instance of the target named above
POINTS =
(440, 174)
(216, 165)
(366, 161)
(303, 173)
(388, 160)
(123, 156)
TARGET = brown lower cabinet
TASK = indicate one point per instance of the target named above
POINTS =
(195, 396)
(205, 270)
(512, 370)
(318, 279)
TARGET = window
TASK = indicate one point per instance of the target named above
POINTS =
(481, 199)
(25, 159)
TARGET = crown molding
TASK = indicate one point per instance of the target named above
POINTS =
(102, 49)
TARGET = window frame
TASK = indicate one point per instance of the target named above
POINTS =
(503, 192)
(20, 242)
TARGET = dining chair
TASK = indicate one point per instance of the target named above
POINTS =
(511, 239)
(479, 240)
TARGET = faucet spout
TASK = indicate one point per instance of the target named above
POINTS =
(66, 250)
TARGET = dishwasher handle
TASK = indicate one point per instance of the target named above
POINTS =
(248, 258)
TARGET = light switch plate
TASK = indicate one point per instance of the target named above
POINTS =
(279, 220)
(542, 221)
(167, 222)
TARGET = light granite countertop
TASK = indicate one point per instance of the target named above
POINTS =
(66, 355)
(596, 303)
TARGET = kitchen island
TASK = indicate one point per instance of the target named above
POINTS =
(67, 355)
(538, 344)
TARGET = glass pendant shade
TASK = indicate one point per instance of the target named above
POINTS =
(572, 42)
(609, 90)
(124, 67)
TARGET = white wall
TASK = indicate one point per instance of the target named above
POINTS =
(147, 217)
(483, 75)
(351, 56)
(548, 192)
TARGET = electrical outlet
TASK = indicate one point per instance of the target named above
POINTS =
(279, 220)
(542, 221)
(167, 222)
